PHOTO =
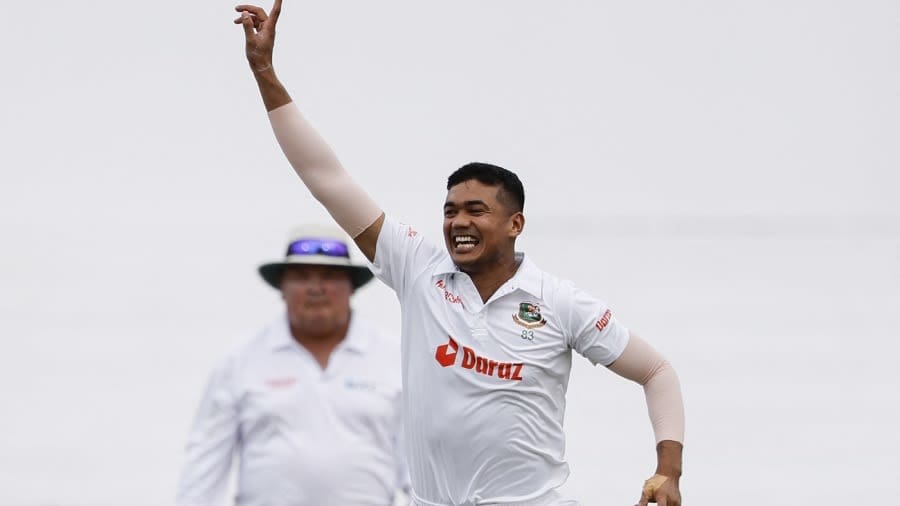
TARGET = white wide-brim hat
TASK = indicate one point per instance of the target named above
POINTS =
(316, 245)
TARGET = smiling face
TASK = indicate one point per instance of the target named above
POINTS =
(480, 228)
(317, 298)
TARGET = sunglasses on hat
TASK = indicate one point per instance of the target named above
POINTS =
(326, 247)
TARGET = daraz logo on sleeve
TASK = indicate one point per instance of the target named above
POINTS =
(445, 355)
(604, 320)
(410, 232)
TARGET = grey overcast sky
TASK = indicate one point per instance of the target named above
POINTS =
(140, 185)
(115, 112)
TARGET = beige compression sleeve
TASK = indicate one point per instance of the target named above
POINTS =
(641, 363)
(317, 165)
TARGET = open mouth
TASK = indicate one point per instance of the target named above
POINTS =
(464, 243)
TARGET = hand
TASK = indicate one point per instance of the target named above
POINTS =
(662, 490)
(259, 31)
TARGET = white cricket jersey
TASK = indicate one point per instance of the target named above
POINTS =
(303, 436)
(485, 383)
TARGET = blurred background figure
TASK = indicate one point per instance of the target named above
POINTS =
(310, 406)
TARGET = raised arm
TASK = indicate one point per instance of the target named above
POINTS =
(644, 365)
(310, 156)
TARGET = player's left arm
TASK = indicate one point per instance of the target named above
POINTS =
(642, 364)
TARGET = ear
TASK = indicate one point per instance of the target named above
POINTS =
(516, 224)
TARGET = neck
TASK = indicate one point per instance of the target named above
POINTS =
(487, 281)
(320, 344)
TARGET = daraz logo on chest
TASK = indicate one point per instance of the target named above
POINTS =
(445, 355)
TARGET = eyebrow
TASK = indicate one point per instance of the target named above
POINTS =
(467, 203)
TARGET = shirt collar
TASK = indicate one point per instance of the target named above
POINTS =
(445, 266)
(528, 276)
(280, 336)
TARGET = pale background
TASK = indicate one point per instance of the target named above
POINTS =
(724, 174)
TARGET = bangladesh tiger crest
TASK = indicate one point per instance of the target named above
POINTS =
(529, 316)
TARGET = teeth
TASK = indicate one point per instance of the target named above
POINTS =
(464, 239)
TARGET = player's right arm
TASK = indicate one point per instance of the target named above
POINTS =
(310, 156)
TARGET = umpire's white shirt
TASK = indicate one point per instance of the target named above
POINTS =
(485, 383)
(303, 436)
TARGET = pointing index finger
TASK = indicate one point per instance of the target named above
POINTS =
(276, 11)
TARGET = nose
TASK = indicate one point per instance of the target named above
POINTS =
(314, 284)
(460, 221)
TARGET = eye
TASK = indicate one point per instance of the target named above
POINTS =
(333, 275)
(449, 213)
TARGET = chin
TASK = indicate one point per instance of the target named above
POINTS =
(318, 326)
(314, 318)
(466, 263)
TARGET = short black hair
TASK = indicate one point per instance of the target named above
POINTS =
(511, 193)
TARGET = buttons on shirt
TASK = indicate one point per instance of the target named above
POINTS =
(479, 326)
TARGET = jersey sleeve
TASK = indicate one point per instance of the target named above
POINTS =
(595, 332)
(401, 255)
(211, 443)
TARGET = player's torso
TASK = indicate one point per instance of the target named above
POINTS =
(485, 387)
